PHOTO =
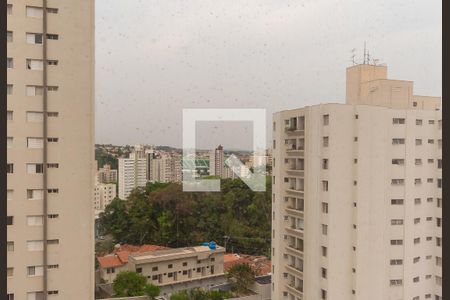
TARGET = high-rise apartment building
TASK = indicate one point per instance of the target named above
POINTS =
(164, 167)
(217, 162)
(104, 193)
(50, 234)
(357, 194)
(106, 174)
(132, 172)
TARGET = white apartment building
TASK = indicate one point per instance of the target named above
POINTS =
(106, 175)
(217, 162)
(357, 194)
(132, 172)
(104, 193)
(50, 234)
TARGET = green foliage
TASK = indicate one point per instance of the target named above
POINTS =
(200, 294)
(242, 277)
(152, 291)
(104, 158)
(129, 283)
(162, 214)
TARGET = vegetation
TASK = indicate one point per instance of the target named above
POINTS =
(199, 294)
(242, 277)
(128, 284)
(163, 214)
(104, 158)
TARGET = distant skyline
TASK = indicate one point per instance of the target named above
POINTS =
(154, 58)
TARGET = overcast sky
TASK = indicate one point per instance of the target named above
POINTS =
(154, 58)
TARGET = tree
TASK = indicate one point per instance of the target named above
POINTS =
(152, 291)
(200, 294)
(128, 284)
(242, 277)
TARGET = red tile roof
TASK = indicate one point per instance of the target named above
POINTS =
(119, 256)
(260, 264)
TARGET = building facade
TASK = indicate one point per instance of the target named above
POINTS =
(357, 194)
(132, 172)
(217, 162)
(104, 193)
(50, 149)
(106, 175)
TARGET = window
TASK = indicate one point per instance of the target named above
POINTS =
(9, 220)
(34, 12)
(325, 164)
(395, 262)
(9, 36)
(430, 141)
(35, 245)
(416, 241)
(439, 202)
(418, 162)
(184, 264)
(396, 222)
(324, 273)
(439, 183)
(431, 122)
(138, 270)
(9, 142)
(398, 161)
(53, 216)
(34, 38)
(325, 185)
(323, 294)
(52, 36)
(52, 140)
(419, 122)
(35, 296)
(397, 182)
(356, 117)
(398, 121)
(438, 261)
(154, 268)
(35, 168)
(51, 62)
(34, 116)
(9, 63)
(398, 141)
(35, 143)
(35, 194)
(324, 207)
(418, 142)
(110, 270)
(35, 271)
(9, 246)
(417, 201)
(417, 181)
(34, 90)
(10, 168)
(54, 292)
(439, 280)
(35, 64)
(170, 266)
(429, 180)
(429, 238)
(416, 259)
(9, 272)
(396, 282)
(396, 201)
(324, 229)
(396, 242)
(416, 220)
(325, 141)
(438, 222)
(53, 166)
(9, 10)
(326, 119)
(9, 89)
(324, 251)
(439, 161)
(35, 220)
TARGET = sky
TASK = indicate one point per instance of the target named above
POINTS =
(155, 58)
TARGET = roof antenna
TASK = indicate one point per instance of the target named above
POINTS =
(353, 56)
(364, 60)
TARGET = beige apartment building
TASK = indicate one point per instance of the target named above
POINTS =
(170, 269)
(357, 194)
(50, 234)
(217, 162)
(104, 193)
(106, 174)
